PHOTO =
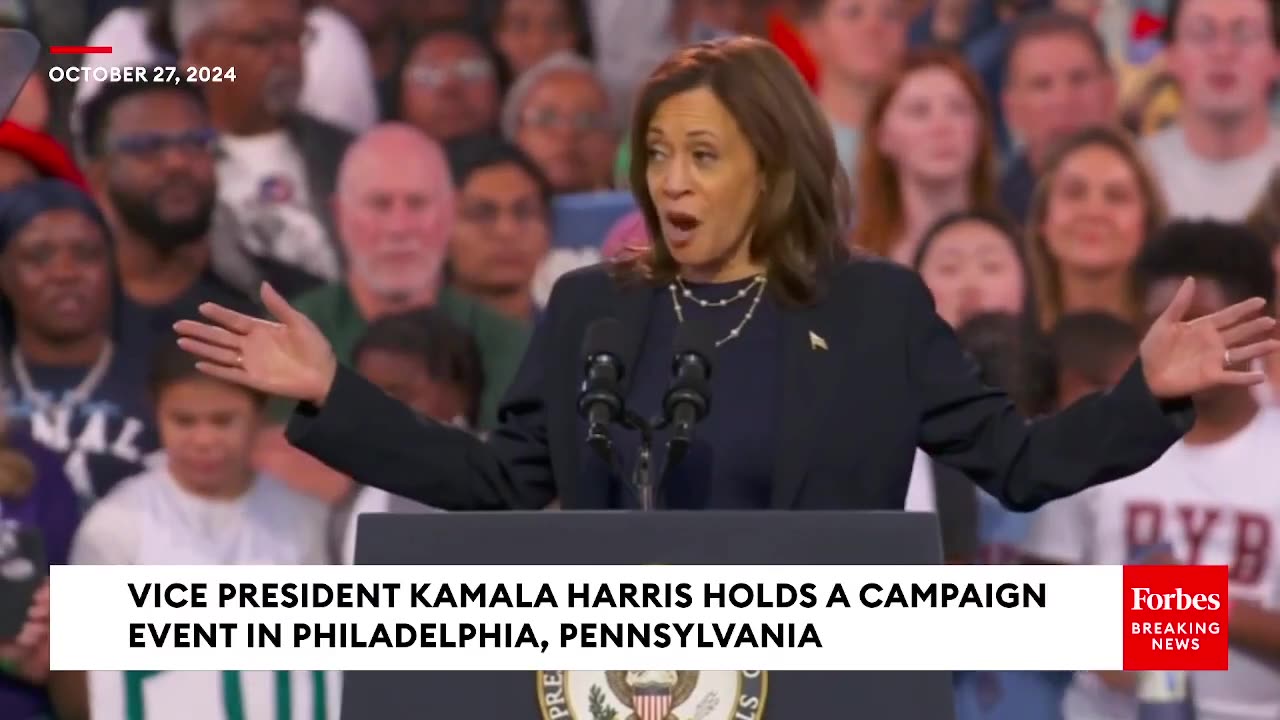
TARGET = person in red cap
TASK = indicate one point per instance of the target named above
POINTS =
(27, 154)
(783, 32)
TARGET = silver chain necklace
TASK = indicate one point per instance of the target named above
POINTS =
(759, 282)
(79, 394)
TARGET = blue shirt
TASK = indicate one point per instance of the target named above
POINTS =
(847, 140)
(1006, 695)
(101, 441)
(729, 465)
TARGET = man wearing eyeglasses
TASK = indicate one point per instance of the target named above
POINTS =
(275, 165)
(148, 148)
(449, 87)
(1225, 56)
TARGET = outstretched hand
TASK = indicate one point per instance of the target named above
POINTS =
(290, 358)
(1180, 357)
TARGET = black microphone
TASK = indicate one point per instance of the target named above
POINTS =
(600, 400)
(688, 400)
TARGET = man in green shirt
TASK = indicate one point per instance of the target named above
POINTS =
(394, 211)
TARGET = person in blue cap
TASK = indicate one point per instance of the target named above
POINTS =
(71, 375)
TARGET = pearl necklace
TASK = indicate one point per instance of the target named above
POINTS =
(759, 282)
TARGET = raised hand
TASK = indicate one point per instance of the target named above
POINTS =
(1181, 357)
(290, 358)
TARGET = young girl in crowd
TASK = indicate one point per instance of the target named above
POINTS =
(972, 263)
(1093, 210)
(202, 504)
(423, 360)
(927, 152)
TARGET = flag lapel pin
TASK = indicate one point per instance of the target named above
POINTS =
(816, 342)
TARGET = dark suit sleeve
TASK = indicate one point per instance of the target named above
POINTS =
(976, 429)
(379, 441)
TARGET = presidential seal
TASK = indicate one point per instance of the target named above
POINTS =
(652, 695)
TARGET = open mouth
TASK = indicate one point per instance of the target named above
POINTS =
(67, 302)
(681, 224)
(1222, 80)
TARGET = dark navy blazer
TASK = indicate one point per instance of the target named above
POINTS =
(887, 377)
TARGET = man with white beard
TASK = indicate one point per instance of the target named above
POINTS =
(276, 166)
(395, 212)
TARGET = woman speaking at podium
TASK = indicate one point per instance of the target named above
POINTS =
(829, 369)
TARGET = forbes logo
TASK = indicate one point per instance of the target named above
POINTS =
(1175, 617)
(1179, 599)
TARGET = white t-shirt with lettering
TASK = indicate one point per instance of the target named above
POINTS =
(149, 519)
(1214, 504)
(1197, 188)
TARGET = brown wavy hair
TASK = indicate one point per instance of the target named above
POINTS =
(877, 192)
(798, 222)
(1046, 276)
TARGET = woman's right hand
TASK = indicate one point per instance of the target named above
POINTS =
(290, 358)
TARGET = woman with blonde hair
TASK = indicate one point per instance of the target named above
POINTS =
(928, 152)
(1094, 208)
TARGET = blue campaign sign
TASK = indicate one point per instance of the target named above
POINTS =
(583, 220)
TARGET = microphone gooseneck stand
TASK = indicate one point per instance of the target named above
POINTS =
(640, 479)
(601, 401)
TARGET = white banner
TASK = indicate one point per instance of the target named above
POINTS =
(586, 617)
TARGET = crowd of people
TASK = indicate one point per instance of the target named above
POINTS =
(414, 175)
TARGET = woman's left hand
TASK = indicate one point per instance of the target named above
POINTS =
(1180, 357)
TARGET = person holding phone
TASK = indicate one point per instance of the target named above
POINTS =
(39, 514)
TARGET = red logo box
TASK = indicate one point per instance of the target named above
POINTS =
(1175, 617)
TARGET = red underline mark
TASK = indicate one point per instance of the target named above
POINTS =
(80, 50)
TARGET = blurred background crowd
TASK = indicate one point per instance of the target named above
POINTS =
(415, 174)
